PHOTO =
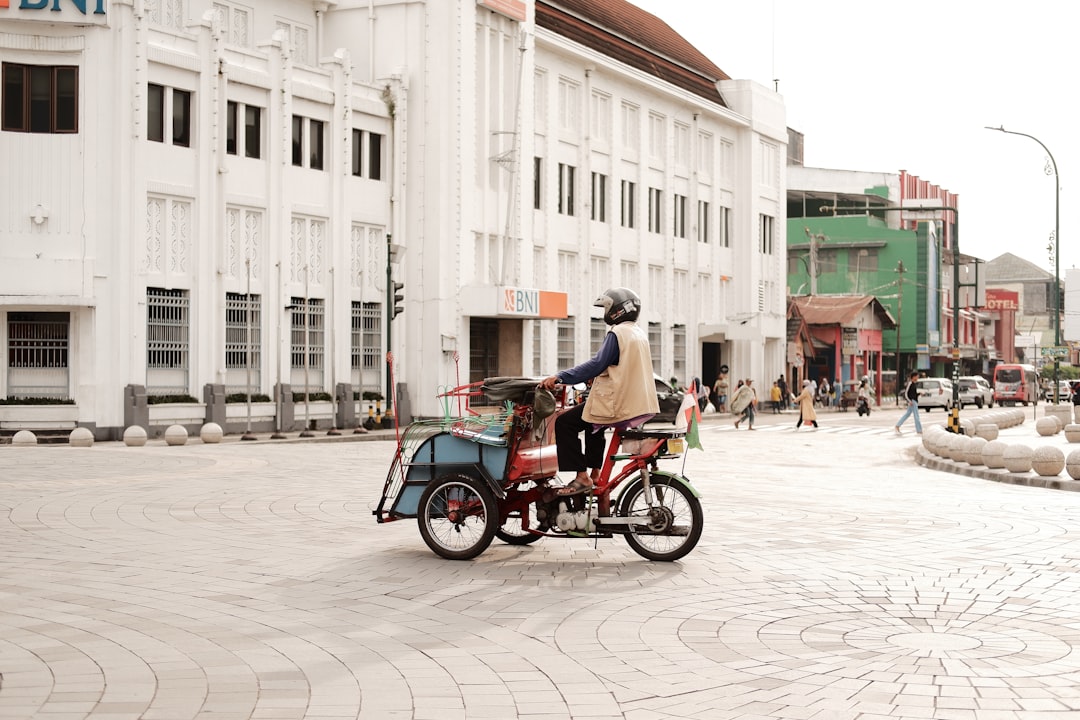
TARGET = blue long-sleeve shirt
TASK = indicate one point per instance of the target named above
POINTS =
(607, 355)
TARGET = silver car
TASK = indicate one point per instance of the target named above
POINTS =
(935, 392)
(975, 390)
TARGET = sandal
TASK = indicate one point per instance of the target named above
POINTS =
(576, 487)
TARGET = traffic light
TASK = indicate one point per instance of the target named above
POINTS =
(398, 297)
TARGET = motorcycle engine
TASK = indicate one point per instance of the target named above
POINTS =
(567, 514)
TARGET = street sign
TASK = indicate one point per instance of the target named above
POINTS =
(1059, 351)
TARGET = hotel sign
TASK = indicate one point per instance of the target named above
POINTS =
(64, 11)
(1002, 299)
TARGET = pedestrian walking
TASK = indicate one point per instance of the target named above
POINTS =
(744, 402)
(775, 398)
(912, 395)
(720, 393)
(785, 396)
(805, 401)
(823, 393)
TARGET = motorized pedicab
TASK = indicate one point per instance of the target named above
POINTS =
(478, 475)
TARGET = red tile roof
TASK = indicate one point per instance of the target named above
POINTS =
(839, 309)
(628, 34)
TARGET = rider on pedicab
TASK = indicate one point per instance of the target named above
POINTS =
(623, 393)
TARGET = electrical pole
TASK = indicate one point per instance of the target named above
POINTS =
(899, 316)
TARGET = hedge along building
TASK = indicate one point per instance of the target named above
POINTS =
(519, 156)
(564, 147)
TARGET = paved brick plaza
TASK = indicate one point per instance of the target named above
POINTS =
(836, 579)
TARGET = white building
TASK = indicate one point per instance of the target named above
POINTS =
(519, 156)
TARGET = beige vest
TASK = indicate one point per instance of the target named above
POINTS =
(627, 390)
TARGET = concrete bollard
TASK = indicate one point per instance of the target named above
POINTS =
(135, 436)
(176, 435)
(1017, 458)
(1072, 464)
(992, 454)
(1047, 461)
(81, 437)
(211, 432)
(24, 438)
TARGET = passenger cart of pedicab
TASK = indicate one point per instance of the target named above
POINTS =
(488, 469)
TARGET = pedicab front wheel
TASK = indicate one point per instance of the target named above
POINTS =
(676, 517)
(458, 516)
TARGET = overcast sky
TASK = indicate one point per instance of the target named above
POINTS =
(884, 86)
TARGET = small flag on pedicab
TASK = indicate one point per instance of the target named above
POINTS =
(688, 417)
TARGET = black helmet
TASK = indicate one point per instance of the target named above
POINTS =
(620, 305)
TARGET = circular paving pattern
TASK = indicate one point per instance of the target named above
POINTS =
(250, 581)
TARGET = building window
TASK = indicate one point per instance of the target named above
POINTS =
(766, 237)
(38, 354)
(629, 273)
(162, 103)
(863, 260)
(168, 344)
(367, 154)
(657, 288)
(657, 138)
(827, 260)
(569, 105)
(626, 206)
(366, 345)
(315, 144)
(168, 13)
(705, 154)
(597, 332)
(40, 98)
(654, 210)
(235, 21)
(566, 189)
(299, 38)
(307, 145)
(308, 343)
(724, 225)
(564, 355)
(243, 342)
(599, 197)
(703, 221)
(678, 352)
(601, 118)
(679, 211)
(631, 130)
(249, 143)
(538, 182)
(537, 355)
(682, 145)
(680, 284)
(656, 339)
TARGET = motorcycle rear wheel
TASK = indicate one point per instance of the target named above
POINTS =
(678, 518)
(457, 516)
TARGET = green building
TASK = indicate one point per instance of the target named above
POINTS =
(861, 255)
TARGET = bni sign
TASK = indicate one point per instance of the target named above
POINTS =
(529, 302)
(56, 10)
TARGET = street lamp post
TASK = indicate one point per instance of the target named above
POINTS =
(1052, 167)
